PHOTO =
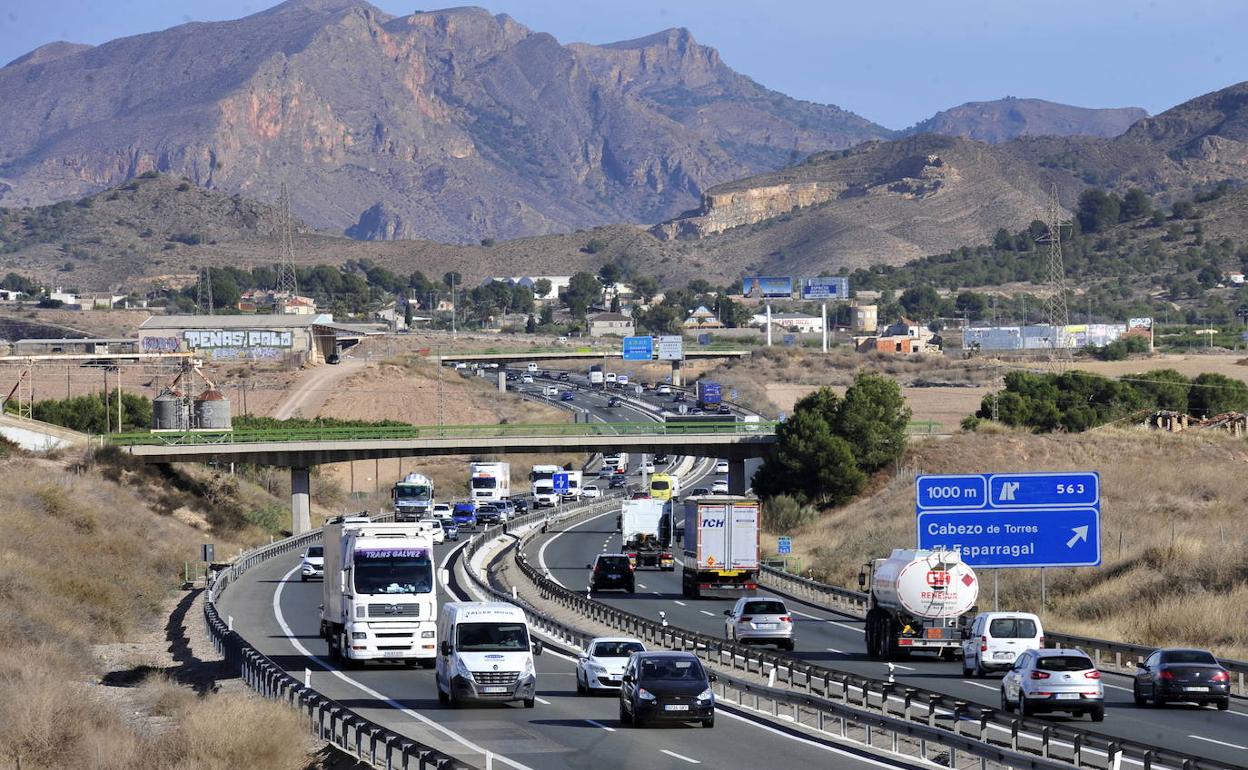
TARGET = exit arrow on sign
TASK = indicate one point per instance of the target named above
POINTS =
(1081, 533)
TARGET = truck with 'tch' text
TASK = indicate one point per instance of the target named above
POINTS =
(917, 600)
(720, 554)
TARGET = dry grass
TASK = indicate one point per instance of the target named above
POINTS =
(1175, 552)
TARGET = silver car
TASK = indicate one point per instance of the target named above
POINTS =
(313, 565)
(760, 620)
(1054, 680)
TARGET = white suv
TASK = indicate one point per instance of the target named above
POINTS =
(441, 511)
(996, 639)
(313, 565)
(1054, 680)
(764, 620)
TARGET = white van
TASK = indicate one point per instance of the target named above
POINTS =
(486, 654)
(531, 368)
(996, 639)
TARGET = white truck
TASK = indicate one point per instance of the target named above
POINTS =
(720, 555)
(489, 482)
(541, 478)
(646, 531)
(575, 482)
(380, 593)
(413, 497)
(917, 600)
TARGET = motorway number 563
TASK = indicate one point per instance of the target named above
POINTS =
(1070, 489)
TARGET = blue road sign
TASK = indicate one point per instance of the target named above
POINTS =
(970, 491)
(559, 482)
(704, 339)
(1044, 490)
(825, 287)
(784, 545)
(638, 348)
(1032, 537)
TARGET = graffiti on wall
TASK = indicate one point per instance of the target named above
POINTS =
(207, 339)
(160, 344)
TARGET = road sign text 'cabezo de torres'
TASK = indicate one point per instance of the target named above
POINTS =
(1012, 519)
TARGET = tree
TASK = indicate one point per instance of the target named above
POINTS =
(542, 287)
(609, 274)
(615, 303)
(971, 304)
(452, 279)
(1162, 388)
(530, 325)
(810, 463)
(407, 315)
(547, 315)
(1216, 393)
(583, 290)
(873, 418)
(646, 287)
(1097, 210)
(1003, 241)
(921, 302)
(595, 245)
(1136, 205)
(699, 286)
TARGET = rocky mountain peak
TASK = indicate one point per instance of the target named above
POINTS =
(49, 52)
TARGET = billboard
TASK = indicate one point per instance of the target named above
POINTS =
(672, 348)
(826, 287)
(759, 287)
(1140, 323)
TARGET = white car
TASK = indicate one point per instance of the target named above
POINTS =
(550, 390)
(1054, 680)
(441, 511)
(721, 466)
(435, 525)
(996, 639)
(313, 565)
(720, 487)
(589, 490)
(527, 379)
(760, 619)
(664, 390)
(601, 665)
(646, 466)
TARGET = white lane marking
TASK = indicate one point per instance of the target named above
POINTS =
(708, 614)
(641, 585)
(825, 620)
(904, 668)
(1236, 713)
(656, 593)
(1116, 687)
(542, 701)
(981, 684)
(541, 558)
(808, 742)
(600, 724)
(690, 760)
(833, 649)
(1220, 743)
(677, 601)
(298, 645)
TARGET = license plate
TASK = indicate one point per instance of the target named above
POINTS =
(675, 708)
(767, 626)
(493, 689)
(1196, 689)
(1068, 696)
(1006, 655)
(393, 653)
(613, 577)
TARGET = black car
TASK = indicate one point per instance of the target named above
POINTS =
(666, 687)
(679, 397)
(611, 570)
(564, 376)
(660, 459)
(617, 482)
(488, 513)
(522, 506)
(613, 402)
(333, 358)
(1190, 676)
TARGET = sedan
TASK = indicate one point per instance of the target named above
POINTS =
(700, 492)
(668, 687)
(719, 487)
(601, 665)
(1192, 676)
(723, 409)
(1054, 680)
(760, 620)
(435, 529)
(313, 565)
(664, 390)
(590, 491)
(617, 482)
(451, 529)
(527, 379)
(441, 511)
(566, 396)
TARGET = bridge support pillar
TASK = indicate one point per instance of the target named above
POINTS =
(737, 482)
(502, 379)
(300, 500)
(676, 379)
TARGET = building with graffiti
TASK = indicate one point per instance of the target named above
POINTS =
(295, 338)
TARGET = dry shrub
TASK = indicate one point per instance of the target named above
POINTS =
(223, 732)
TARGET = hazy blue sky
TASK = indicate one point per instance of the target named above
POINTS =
(893, 62)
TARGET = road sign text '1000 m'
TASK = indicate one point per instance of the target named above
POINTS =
(1012, 519)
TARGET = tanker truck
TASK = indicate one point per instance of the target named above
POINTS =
(917, 600)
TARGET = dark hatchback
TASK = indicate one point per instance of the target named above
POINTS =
(666, 687)
(617, 482)
(488, 513)
(611, 570)
(1190, 676)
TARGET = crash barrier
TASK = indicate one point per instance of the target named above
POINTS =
(1120, 657)
(361, 738)
(993, 729)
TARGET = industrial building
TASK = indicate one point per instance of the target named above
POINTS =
(1040, 337)
(290, 338)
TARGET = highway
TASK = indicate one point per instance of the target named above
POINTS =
(278, 614)
(836, 641)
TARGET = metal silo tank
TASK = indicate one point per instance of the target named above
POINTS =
(212, 411)
(166, 412)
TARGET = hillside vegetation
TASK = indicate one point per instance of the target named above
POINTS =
(1175, 568)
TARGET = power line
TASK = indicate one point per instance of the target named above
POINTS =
(1056, 312)
(203, 292)
(287, 279)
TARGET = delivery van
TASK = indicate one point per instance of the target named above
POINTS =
(486, 654)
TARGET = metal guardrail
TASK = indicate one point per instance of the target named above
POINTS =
(993, 728)
(400, 432)
(1120, 657)
(359, 737)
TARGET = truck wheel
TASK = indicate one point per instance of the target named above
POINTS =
(529, 702)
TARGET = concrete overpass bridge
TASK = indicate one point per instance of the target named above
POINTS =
(582, 354)
(301, 448)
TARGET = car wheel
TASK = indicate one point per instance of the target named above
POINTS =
(1098, 714)
(625, 719)
(303, 578)
(979, 672)
(428, 663)
(1137, 696)
(789, 644)
(580, 688)
(1224, 704)
(708, 722)
(1023, 707)
(966, 672)
(1006, 706)
(1158, 701)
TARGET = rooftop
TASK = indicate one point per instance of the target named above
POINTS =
(236, 321)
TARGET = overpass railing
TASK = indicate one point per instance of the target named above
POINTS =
(405, 432)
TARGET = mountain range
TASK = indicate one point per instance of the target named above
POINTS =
(452, 125)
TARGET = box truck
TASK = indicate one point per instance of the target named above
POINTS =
(489, 482)
(720, 555)
(379, 599)
(708, 394)
(646, 531)
(543, 487)
(917, 600)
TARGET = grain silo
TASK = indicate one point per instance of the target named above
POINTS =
(168, 411)
(212, 411)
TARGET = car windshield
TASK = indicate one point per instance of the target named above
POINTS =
(393, 571)
(1064, 663)
(1012, 628)
(659, 486)
(491, 637)
(484, 482)
(616, 649)
(613, 562)
(412, 492)
(316, 550)
(1188, 656)
(764, 608)
(668, 669)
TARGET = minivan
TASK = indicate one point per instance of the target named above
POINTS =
(996, 639)
(486, 654)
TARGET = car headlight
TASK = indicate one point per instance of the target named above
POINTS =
(428, 634)
(461, 669)
(597, 669)
(644, 694)
(528, 668)
(359, 635)
(706, 695)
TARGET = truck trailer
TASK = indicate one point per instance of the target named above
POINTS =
(646, 531)
(720, 556)
(380, 594)
(918, 600)
(708, 394)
